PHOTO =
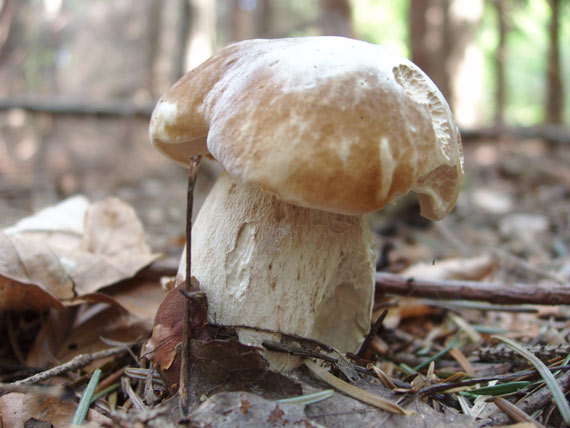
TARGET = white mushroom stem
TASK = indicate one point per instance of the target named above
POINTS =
(266, 263)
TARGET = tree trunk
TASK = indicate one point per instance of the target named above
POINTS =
(465, 60)
(417, 18)
(263, 18)
(500, 56)
(154, 25)
(7, 13)
(428, 31)
(555, 97)
(441, 40)
(241, 23)
(184, 21)
(200, 45)
(336, 18)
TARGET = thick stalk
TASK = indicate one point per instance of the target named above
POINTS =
(266, 263)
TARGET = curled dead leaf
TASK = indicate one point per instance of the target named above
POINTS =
(71, 249)
(17, 409)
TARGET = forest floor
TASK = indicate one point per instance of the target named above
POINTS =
(510, 230)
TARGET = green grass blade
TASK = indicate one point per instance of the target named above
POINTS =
(501, 389)
(83, 407)
(101, 393)
(444, 351)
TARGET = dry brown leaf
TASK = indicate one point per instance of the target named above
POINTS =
(18, 296)
(17, 408)
(69, 250)
(78, 330)
(468, 269)
(163, 347)
(23, 261)
(113, 245)
(408, 308)
(138, 296)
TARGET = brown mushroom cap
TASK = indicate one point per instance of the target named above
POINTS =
(321, 122)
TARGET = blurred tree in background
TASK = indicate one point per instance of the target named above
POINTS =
(497, 61)
(78, 78)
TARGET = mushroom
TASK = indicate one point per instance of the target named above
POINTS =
(313, 133)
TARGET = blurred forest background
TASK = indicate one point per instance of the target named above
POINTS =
(78, 80)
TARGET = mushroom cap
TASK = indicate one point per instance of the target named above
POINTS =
(322, 122)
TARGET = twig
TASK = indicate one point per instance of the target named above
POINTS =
(553, 133)
(185, 364)
(454, 305)
(76, 107)
(121, 344)
(372, 334)
(501, 353)
(56, 391)
(441, 387)
(297, 351)
(77, 362)
(473, 290)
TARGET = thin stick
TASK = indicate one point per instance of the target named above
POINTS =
(77, 362)
(56, 391)
(372, 333)
(441, 387)
(185, 364)
(492, 292)
(473, 290)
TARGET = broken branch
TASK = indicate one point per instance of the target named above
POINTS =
(77, 362)
(492, 292)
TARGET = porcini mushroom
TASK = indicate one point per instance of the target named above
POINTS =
(313, 133)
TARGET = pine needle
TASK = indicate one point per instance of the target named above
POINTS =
(315, 397)
(355, 392)
(515, 413)
(546, 375)
(83, 407)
